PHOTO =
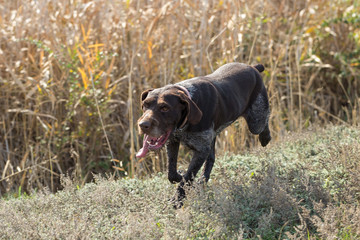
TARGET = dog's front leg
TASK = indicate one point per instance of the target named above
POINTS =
(172, 149)
(197, 161)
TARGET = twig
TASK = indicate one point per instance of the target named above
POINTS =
(30, 112)
(326, 112)
(25, 169)
(131, 117)
(102, 123)
(210, 43)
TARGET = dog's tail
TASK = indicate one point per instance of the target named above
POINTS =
(259, 67)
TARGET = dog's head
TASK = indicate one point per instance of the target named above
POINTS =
(164, 110)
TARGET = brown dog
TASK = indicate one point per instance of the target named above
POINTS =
(195, 111)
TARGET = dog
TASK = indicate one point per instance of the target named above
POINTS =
(193, 112)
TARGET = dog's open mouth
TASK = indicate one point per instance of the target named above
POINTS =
(152, 143)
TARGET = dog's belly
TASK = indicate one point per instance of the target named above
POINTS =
(223, 126)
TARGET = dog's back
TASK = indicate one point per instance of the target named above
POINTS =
(226, 94)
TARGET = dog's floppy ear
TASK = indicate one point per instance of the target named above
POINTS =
(145, 93)
(194, 114)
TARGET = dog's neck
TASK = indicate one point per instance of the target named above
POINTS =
(184, 90)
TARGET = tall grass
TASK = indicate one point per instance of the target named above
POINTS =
(52, 51)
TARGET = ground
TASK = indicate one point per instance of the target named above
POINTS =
(305, 187)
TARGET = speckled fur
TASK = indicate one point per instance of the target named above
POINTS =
(201, 145)
(257, 118)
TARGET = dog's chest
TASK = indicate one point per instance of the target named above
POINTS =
(198, 141)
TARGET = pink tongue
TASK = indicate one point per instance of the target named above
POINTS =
(142, 152)
(145, 149)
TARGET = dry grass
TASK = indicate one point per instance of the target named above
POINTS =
(51, 53)
(306, 187)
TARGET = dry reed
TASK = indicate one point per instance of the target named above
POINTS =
(51, 50)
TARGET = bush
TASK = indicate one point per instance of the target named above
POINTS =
(307, 187)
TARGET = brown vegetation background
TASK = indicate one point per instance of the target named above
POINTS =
(71, 73)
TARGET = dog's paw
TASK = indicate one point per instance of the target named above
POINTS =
(175, 177)
(177, 204)
(264, 139)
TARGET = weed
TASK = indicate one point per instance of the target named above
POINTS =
(278, 193)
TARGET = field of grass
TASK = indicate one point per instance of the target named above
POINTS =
(305, 187)
(72, 71)
(71, 75)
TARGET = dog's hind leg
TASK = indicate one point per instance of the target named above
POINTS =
(264, 136)
(257, 118)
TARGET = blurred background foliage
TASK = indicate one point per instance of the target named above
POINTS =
(71, 73)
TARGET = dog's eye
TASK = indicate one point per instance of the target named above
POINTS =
(145, 105)
(164, 109)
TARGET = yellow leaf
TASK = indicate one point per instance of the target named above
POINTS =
(149, 47)
(80, 57)
(310, 29)
(96, 45)
(111, 90)
(117, 168)
(82, 48)
(127, 4)
(47, 124)
(84, 78)
(83, 33)
(98, 75)
(41, 57)
(39, 88)
(107, 83)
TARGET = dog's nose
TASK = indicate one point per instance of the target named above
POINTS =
(145, 125)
